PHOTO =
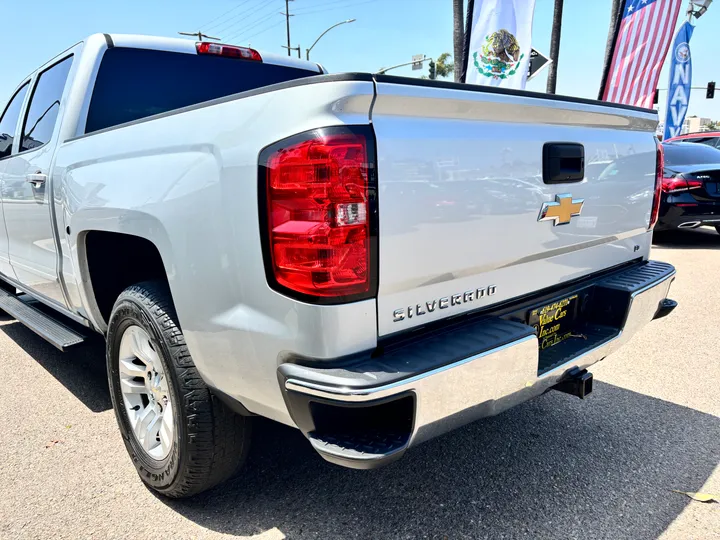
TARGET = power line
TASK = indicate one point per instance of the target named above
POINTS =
(243, 26)
(225, 26)
(324, 5)
(278, 23)
(223, 14)
(249, 28)
(353, 4)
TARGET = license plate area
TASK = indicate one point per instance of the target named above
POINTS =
(570, 325)
(556, 321)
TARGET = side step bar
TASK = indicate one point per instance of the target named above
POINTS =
(44, 325)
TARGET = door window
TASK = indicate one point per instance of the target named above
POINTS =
(44, 106)
(9, 121)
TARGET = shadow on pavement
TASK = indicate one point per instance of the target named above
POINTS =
(700, 238)
(554, 467)
(81, 370)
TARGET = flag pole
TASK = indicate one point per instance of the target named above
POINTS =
(466, 45)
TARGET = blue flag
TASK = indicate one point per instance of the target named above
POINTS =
(680, 80)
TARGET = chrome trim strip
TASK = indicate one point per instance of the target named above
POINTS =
(379, 392)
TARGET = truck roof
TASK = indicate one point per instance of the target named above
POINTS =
(188, 46)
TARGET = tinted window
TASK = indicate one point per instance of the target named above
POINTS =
(136, 83)
(690, 154)
(702, 140)
(44, 106)
(9, 121)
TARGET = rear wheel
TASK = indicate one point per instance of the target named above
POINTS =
(181, 438)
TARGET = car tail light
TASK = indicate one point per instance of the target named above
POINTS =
(673, 184)
(230, 51)
(676, 184)
(659, 168)
(319, 206)
(692, 183)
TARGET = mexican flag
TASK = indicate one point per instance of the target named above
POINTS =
(498, 42)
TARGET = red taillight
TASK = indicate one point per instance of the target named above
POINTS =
(673, 184)
(693, 184)
(318, 213)
(230, 51)
(676, 184)
(659, 167)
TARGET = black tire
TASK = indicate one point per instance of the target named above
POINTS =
(211, 442)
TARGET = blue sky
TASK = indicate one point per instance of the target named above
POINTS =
(386, 32)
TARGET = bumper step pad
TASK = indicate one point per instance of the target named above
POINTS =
(356, 448)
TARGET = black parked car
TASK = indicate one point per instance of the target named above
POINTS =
(690, 187)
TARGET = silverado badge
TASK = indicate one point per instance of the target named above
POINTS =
(562, 210)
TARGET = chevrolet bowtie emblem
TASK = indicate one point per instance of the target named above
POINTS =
(562, 210)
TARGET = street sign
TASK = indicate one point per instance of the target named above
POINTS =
(538, 62)
(418, 61)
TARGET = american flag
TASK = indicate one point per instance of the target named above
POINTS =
(641, 44)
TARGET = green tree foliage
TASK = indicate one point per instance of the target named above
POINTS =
(442, 67)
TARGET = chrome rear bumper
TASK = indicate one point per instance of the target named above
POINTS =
(479, 385)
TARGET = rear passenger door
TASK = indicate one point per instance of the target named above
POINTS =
(8, 129)
(26, 194)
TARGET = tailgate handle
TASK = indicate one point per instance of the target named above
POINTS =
(563, 163)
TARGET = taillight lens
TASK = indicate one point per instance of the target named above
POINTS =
(673, 184)
(659, 167)
(676, 184)
(693, 183)
(319, 215)
(229, 51)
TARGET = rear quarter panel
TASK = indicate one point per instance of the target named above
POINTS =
(188, 183)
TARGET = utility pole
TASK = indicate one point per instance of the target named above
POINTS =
(287, 22)
(555, 46)
(198, 35)
(292, 49)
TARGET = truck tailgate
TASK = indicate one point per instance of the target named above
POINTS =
(460, 178)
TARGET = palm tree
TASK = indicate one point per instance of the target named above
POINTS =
(458, 38)
(444, 65)
(555, 46)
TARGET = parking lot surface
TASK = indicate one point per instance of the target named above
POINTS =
(555, 467)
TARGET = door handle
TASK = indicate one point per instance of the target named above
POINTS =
(37, 180)
(563, 163)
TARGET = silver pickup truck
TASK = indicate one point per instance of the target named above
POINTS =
(374, 260)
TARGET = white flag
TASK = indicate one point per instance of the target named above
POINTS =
(500, 43)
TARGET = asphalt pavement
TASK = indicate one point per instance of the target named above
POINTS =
(555, 467)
